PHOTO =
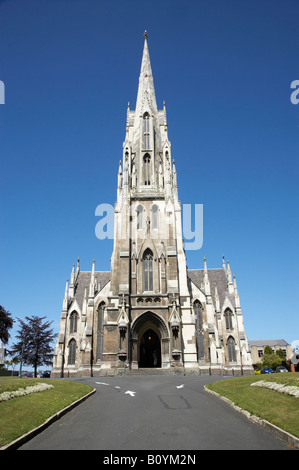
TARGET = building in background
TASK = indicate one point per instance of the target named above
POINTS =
(149, 311)
(257, 348)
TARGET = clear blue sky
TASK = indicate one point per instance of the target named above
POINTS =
(224, 69)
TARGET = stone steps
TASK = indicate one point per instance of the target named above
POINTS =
(151, 371)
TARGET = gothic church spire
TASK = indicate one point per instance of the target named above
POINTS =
(146, 98)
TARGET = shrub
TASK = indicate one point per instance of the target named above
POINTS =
(5, 396)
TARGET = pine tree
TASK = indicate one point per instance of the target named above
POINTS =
(34, 345)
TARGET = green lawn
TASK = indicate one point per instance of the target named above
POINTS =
(20, 415)
(277, 408)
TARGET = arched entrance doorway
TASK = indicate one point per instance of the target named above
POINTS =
(150, 341)
(150, 350)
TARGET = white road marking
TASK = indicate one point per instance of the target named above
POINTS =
(129, 392)
(180, 386)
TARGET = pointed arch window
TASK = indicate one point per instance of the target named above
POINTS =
(231, 347)
(72, 352)
(99, 350)
(155, 210)
(139, 210)
(147, 169)
(228, 319)
(146, 132)
(100, 316)
(148, 270)
(73, 322)
(197, 308)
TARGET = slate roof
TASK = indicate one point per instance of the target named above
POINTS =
(268, 342)
(216, 277)
(83, 281)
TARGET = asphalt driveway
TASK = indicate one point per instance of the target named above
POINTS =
(153, 413)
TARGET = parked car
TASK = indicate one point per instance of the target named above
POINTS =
(25, 373)
(281, 369)
(267, 370)
(46, 374)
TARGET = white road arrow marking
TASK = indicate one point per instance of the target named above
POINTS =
(129, 392)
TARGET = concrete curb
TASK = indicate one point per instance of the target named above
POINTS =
(29, 435)
(289, 438)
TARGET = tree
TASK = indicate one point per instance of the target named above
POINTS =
(268, 350)
(34, 345)
(13, 363)
(283, 355)
(6, 323)
(271, 359)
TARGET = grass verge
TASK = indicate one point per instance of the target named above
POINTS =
(277, 408)
(20, 415)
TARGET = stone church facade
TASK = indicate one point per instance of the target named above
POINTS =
(149, 311)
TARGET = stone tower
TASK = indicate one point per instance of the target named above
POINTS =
(148, 266)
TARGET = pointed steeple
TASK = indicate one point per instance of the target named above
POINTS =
(65, 299)
(174, 175)
(217, 300)
(119, 181)
(230, 283)
(164, 112)
(206, 281)
(237, 298)
(84, 306)
(128, 114)
(78, 268)
(146, 98)
(92, 285)
(73, 274)
(72, 283)
(223, 263)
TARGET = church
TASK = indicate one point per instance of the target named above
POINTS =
(150, 312)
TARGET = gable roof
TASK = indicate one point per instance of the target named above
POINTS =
(83, 281)
(268, 342)
(216, 277)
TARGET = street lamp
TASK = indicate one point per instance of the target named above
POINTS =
(20, 371)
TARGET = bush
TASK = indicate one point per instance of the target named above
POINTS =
(20, 392)
(271, 359)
